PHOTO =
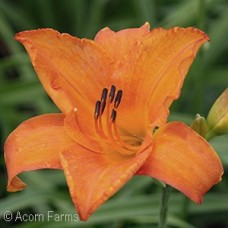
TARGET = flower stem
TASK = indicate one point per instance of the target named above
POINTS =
(166, 191)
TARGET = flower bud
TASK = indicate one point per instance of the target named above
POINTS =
(218, 115)
(199, 125)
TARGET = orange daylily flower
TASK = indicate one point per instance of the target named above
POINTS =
(113, 92)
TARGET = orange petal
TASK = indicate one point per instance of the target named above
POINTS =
(73, 71)
(35, 144)
(84, 134)
(152, 75)
(184, 160)
(118, 44)
(93, 178)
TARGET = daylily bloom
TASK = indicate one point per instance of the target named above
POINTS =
(114, 93)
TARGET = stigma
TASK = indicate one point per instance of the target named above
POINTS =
(105, 116)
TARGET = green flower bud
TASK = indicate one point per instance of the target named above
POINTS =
(218, 116)
(199, 125)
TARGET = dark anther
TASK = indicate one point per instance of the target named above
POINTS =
(97, 110)
(113, 116)
(118, 98)
(103, 104)
(112, 93)
(104, 94)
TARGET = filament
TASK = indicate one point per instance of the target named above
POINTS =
(102, 107)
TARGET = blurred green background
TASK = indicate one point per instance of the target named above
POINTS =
(22, 96)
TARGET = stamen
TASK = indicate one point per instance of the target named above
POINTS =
(103, 99)
(116, 133)
(104, 94)
(103, 104)
(113, 116)
(112, 93)
(111, 132)
(118, 98)
(97, 110)
(97, 117)
(120, 140)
